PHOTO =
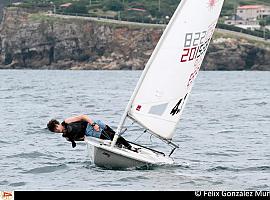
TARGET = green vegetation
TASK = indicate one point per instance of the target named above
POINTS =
(135, 10)
(40, 17)
(265, 22)
(147, 11)
(154, 11)
(263, 33)
(259, 43)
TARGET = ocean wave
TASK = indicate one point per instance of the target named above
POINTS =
(263, 103)
(3, 142)
(219, 154)
(17, 184)
(135, 178)
(4, 182)
(257, 169)
(45, 169)
(34, 154)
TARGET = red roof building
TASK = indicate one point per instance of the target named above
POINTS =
(252, 12)
(65, 5)
(248, 16)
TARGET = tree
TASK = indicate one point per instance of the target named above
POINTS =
(262, 23)
(114, 5)
(267, 20)
(77, 8)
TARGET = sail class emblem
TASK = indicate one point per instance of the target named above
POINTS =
(176, 108)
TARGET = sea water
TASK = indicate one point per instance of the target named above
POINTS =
(223, 134)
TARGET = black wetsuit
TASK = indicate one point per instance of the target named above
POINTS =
(108, 134)
(74, 131)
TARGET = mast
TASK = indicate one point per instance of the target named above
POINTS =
(125, 114)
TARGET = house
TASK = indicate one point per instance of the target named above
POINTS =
(65, 5)
(251, 13)
(137, 9)
(248, 16)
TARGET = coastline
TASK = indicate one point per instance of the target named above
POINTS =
(39, 40)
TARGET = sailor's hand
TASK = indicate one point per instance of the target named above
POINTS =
(96, 127)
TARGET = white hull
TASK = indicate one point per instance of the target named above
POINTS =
(103, 155)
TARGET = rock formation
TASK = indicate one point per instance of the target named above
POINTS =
(33, 40)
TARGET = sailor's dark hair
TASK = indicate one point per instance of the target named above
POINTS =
(52, 124)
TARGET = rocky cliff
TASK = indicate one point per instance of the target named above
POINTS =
(40, 41)
(1, 9)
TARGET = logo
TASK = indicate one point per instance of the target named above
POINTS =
(6, 195)
(138, 107)
(212, 3)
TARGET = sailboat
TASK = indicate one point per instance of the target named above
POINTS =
(162, 91)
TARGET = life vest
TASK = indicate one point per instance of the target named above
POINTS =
(75, 130)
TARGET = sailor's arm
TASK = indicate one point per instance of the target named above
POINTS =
(83, 118)
(79, 118)
(90, 121)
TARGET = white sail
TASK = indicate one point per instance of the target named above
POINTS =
(166, 82)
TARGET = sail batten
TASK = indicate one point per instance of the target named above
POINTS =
(164, 87)
(154, 117)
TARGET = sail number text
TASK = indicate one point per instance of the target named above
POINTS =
(195, 45)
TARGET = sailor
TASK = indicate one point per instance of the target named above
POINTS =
(77, 127)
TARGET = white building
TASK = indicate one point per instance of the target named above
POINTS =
(248, 16)
(251, 13)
